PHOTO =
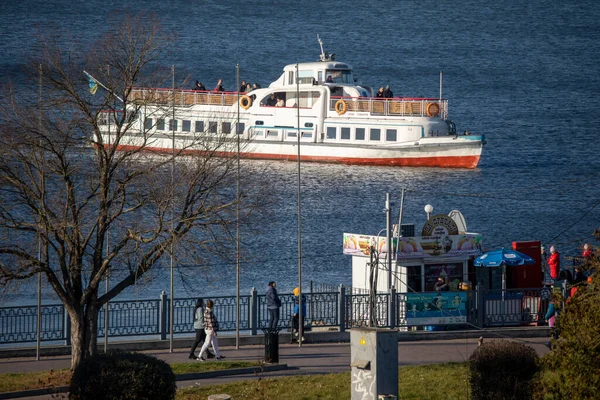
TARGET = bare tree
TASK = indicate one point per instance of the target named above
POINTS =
(64, 188)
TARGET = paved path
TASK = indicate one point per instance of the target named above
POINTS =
(316, 358)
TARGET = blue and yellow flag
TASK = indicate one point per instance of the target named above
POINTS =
(93, 86)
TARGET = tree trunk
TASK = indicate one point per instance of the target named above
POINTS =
(84, 333)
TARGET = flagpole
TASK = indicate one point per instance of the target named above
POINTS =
(101, 85)
(300, 316)
(172, 303)
(39, 277)
(237, 293)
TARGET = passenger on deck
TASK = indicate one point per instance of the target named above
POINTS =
(256, 86)
(219, 87)
(329, 79)
(379, 92)
(387, 93)
(248, 88)
(280, 102)
(199, 86)
(243, 87)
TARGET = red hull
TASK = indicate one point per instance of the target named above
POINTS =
(439, 162)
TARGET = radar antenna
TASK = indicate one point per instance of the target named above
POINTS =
(324, 56)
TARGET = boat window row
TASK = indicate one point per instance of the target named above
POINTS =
(289, 99)
(215, 127)
(361, 134)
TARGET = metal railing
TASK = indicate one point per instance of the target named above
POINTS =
(407, 107)
(328, 309)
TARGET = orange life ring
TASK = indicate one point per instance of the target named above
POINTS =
(341, 107)
(433, 109)
(245, 102)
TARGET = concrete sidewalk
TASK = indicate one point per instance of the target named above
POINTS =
(311, 358)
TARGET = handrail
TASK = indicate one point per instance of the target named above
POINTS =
(397, 106)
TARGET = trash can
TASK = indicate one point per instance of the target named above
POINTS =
(271, 345)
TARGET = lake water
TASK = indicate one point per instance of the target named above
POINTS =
(524, 74)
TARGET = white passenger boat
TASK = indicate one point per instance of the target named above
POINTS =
(323, 115)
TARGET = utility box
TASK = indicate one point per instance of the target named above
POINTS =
(374, 362)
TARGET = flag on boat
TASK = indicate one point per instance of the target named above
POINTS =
(93, 86)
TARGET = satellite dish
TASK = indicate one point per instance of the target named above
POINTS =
(459, 219)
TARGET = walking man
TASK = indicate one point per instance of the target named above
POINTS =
(273, 304)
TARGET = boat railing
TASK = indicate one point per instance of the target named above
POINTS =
(397, 106)
(183, 97)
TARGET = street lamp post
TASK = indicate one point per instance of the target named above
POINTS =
(428, 210)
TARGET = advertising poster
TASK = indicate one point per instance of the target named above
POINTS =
(436, 308)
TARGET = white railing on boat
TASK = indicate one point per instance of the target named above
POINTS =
(398, 106)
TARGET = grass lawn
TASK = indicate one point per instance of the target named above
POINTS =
(35, 380)
(439, 381)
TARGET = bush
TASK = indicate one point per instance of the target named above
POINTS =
(573, 365)
(123, 376)
(503, 370)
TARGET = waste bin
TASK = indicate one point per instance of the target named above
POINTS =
(271, 345)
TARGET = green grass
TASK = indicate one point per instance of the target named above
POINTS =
(35, 380)
(439, 381)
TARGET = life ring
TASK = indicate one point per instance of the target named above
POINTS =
(245, 102)
(341, 107)
(433, 109)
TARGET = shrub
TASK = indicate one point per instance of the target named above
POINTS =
(573, 365)
(123, 376)
(503, 370)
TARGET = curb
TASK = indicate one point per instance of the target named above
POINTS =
(178, 378)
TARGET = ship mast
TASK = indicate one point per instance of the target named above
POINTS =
(325, 56)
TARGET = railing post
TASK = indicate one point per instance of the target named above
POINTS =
(392, 308)
(342, 308)
(67, 325)
(253, 319)
(163, 315)
(480, 305)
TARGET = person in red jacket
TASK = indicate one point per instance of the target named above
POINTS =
(554, 263)
(587, 251)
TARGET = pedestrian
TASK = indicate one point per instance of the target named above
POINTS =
(273, 304)
(387, 93)
(211, 327)
(297, 322)
(551, 315)
(554, 263)
(587, 252)
(219, 87)
(199, 328)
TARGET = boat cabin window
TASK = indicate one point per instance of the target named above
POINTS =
(306, 135)
(212, 127)
(375, 134)
(292, 134)
(391, 135)
(239, 128)
(260, 122)
(308, 125)
(272, 99)
(173, 124)
(359, 134)
(186, 125)
(345, 135)
(160, 125)
(338, 76)
(226, 127)
(291, 78)
(148, 123)
(257, 133)
(272, 133)
(199, 126)
(307, 99)
(331, 132)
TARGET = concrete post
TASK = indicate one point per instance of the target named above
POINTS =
(253, 318)
(374, 362)
(342, 308)
(162, 315)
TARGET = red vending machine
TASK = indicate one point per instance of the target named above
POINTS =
(526, 276)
